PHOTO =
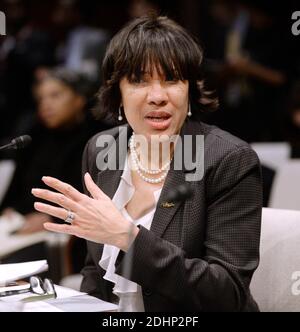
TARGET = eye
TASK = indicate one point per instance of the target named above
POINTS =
(137, 80)
(172, 81)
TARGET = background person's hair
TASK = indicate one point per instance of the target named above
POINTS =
(75, 80)
(145, 44)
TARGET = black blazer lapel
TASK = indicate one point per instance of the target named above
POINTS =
(166, 210)
(108, 180)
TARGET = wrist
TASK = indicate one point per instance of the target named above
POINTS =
(129, 237)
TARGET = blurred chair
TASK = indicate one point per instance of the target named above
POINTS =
(272, 154)
(285, 193)
(56, 244)
(276, 283)
(7, 168)
(74, 257)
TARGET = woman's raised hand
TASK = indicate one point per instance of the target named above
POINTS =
(95, 218)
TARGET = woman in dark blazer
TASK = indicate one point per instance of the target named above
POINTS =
(145, 250)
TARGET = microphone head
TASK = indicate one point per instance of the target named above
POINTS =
(21, 141)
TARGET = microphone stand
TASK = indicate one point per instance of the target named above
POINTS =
(17, 143)
(7, 146)
(128, 260)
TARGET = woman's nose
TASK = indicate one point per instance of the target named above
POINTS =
(157, 94)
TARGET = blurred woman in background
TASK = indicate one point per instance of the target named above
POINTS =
(58, 138)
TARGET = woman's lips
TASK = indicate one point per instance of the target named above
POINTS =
(158, 120)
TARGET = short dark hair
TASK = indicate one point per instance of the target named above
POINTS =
(75, 80)
(148, 43)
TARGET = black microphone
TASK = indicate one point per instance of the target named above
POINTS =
(17, 143)
(181, 193)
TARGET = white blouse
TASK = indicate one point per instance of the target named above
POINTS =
(129, 293)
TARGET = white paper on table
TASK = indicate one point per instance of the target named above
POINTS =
(63, 292)
(40, 306)
(12, 242)
(17, 306)
(83, 303)
(15, 271)
(67, 300)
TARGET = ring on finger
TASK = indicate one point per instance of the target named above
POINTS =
(70, 217)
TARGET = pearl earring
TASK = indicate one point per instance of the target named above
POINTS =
(120, 117)
(189, 112)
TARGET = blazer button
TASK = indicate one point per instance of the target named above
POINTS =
(147, 292)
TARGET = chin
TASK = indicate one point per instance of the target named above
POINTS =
(51, 125)
(150, 132)
(159, 134)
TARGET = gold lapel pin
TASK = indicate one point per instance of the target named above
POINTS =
(167, 205)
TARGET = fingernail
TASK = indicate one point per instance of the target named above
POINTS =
(34, 190)
(47, 178)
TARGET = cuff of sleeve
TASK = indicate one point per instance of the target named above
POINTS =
(135, 255)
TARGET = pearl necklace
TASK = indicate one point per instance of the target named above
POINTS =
(140, 168)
